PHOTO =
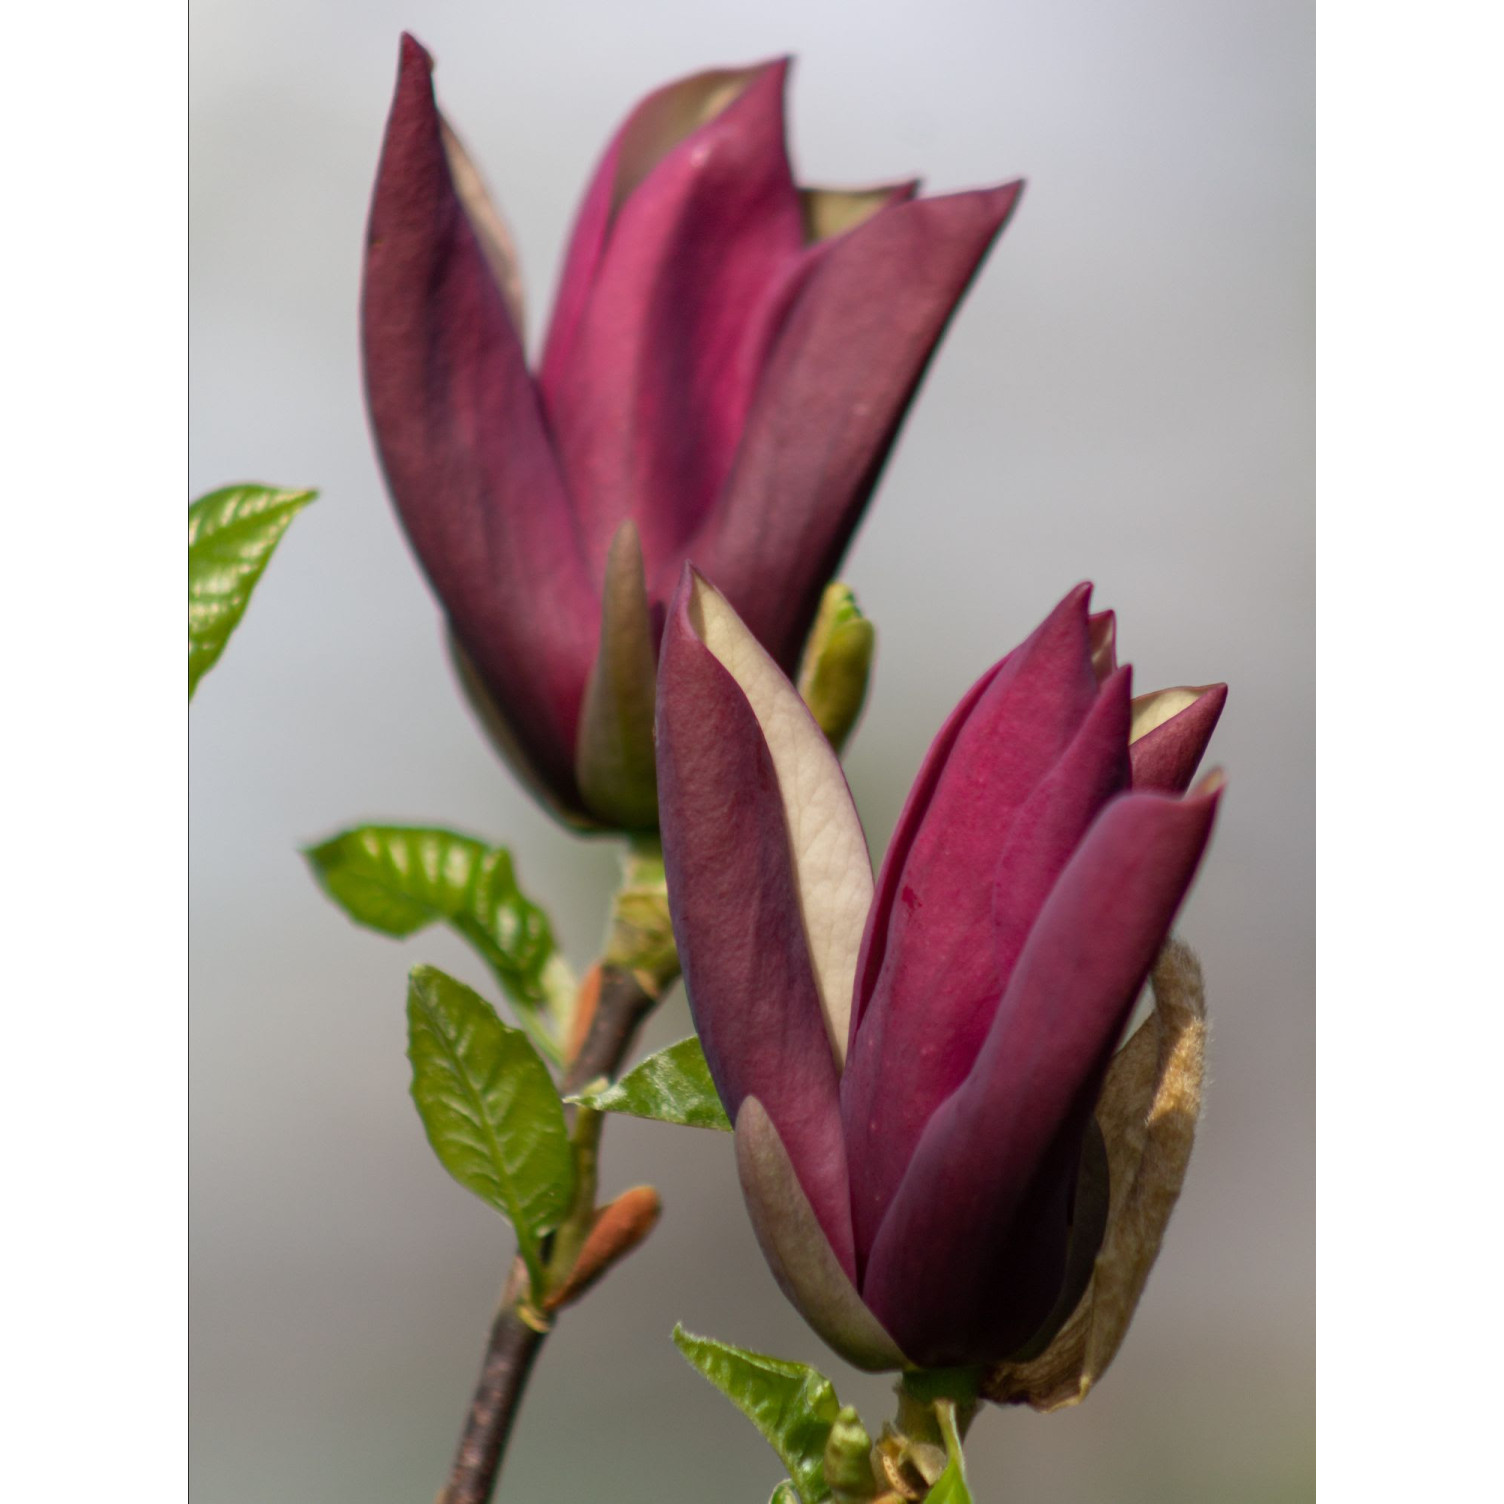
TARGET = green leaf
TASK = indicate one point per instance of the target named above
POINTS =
(785, 1493)
(490, 1108)
(231, 535)
(399, 879)
(951, 1486)
(791, 1404)
(673, 1086)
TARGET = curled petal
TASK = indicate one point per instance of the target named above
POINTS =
(462, 439)
(1171, 728)
(958, 1269)
(734, 893)
(1147, 1113)
(843, 368)
(797, 1250)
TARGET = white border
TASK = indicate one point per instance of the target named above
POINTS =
(1411, 906)
(93, 1114)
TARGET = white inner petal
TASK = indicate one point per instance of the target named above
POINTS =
(832, 870)
(1151, 711)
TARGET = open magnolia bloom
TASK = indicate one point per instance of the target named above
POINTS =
(912, 1066)
(728, 364)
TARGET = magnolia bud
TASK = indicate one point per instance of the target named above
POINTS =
(836, 665)
(616, 1231)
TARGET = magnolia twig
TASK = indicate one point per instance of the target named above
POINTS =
(514, 1344)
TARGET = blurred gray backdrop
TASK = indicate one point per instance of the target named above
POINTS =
(1126, 396)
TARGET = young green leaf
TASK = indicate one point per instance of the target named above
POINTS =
(673, 1086)
(785, 1493)
(490, 1108)
(792, 1405)
(231, 535)
(951, 1486)
(399, 879)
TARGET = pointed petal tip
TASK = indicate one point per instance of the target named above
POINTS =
(1210, 787)
(1077, 602)
(627, 536)
(1119, 682)
(1005, 199)
(412, 53)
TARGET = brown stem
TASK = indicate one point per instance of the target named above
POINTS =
(624, 1004)
(510, 1355)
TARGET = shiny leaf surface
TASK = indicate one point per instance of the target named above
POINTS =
(231, 535)
(490, 1109)
(673, 1086)
(792, 1405)
(399, 879)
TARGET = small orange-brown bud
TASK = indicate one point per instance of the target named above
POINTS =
(585, 1003)
(1147, 1113)
(616, 1231)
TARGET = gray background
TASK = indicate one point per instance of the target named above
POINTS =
(1126, 396)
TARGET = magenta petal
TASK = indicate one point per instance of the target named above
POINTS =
(648, 399)
(936, 982)
(1167, 757)
(842, 371)
(1050, 827)
(736, 916)
(970, 1255)
(654, 128)
(463, 444)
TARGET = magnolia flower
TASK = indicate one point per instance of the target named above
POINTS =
(912, 1065)
(729, 360)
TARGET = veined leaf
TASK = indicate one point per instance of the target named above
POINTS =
(951, 1486)
(792, 1405)
(231, 535)
(673, 1086)
(490, 1108)
(399, 879)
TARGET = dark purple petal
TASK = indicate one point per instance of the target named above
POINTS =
(842, 371)
(937, 982)
(971, 1254)
(1167, 757)
(463, 444)
(737, 919)
(648, 397)
(1049, 828)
